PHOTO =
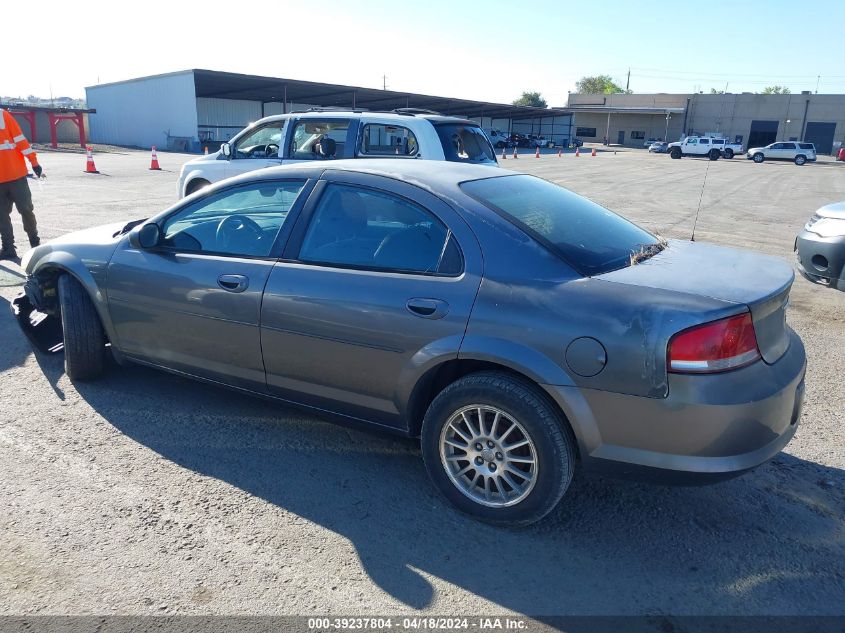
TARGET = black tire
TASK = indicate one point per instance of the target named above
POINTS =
(758, 158)
(729, 153)
(714, 154)
(800, 159)
(675, 152)
(552, 438)
(196, 185)
(84, 340)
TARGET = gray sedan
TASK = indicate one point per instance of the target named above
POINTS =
(519, 330)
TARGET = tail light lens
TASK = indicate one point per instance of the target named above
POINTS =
(713, 347)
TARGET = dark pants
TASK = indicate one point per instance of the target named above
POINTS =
(16, 192)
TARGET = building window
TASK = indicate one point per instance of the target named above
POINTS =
(637, 135)
(589, 132)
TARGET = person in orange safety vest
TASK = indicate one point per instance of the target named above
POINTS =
(14, 188)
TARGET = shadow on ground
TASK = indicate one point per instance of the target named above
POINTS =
(770, 542)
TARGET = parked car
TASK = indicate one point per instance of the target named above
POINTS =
(659, 147)
(652, 141)
(520, 140)
(518, 329)
(797, 152)
(821, 247)
(499, 139)
(577, 142)
(712, 147)
(541, 141)
(319, 135)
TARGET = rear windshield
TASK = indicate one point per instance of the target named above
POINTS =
(463, 143)
(586, 235)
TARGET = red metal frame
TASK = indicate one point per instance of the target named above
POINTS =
(75, 118)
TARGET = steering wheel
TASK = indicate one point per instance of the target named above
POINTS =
(238, 231)
(271, 148)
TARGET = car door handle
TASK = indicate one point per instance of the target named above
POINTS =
(428, 308)
(233, 283)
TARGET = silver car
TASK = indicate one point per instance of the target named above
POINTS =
(794, 151)
(821, 247)
(518, 330)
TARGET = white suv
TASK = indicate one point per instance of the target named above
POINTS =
(330, 134)
(798, 152)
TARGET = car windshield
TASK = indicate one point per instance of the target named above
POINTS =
(464, 143)
(589, 237)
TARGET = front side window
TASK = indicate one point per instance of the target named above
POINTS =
(378, 139)
(363, 228)
(315, 139)
(263, 142)
(463, 143)
(241, 221)
(588, 236)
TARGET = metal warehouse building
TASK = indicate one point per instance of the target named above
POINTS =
(750, 119)
(194, 108)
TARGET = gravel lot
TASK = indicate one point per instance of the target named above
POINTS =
(144, 493)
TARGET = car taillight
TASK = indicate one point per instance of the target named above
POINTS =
(718, 346)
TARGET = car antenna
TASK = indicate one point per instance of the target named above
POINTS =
(700, 196)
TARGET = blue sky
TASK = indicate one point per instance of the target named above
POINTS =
(489, 50)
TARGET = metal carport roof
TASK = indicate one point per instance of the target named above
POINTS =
(224, 85)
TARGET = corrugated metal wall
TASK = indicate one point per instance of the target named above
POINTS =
(144, 112)
(220, 119)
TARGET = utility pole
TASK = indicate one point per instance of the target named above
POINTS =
(384, 82)
(628, 83)
(818, 78)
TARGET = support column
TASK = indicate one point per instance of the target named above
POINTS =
(54, 141)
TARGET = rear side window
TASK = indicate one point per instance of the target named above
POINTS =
(789, 146)
(586, 235)
(463, 143)
(807, 146)
(362, 228)
(378, 139)
(314, 139)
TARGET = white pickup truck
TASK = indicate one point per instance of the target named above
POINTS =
(712, 147)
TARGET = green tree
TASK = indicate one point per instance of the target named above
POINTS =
(713, 91)
(531, 99)
(776, 90)
(600, 84)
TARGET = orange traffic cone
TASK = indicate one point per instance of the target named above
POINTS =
(504, 153)
(154, 166)
(515, 155)
(559, 152)
(577, 152)
(594, 152)
(537, 153)
(89, 164)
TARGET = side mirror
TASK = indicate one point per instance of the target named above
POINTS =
(226, 149)
(145, 236)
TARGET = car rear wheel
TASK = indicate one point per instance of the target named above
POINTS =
(729, 153)
(713, 154)
(800, 160)
(84, 340)
(497, 449)
(675, 152)
(758, 158)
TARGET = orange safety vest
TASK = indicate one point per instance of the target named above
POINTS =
(13, 147)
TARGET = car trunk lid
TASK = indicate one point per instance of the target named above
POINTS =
(760, 282)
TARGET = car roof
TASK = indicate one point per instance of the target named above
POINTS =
(319, 113)
(436, 175)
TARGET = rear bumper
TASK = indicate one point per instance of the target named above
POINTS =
(821, 259)
(708, 427)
